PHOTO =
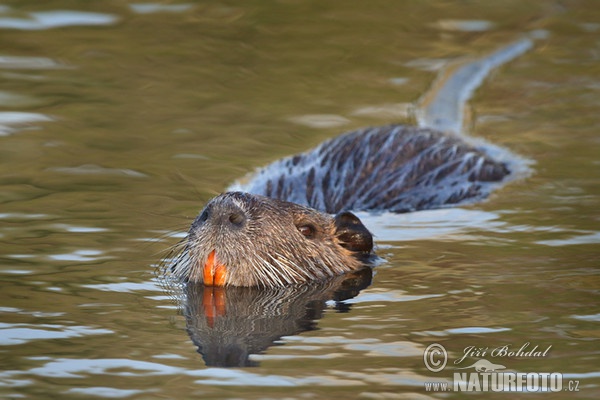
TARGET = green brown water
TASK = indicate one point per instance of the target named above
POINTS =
(135, 119)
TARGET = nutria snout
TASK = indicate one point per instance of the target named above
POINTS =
(242, 239)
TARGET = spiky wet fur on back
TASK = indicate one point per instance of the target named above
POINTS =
(395, 168)
(268, 250)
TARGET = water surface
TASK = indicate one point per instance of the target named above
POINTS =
(120, 119)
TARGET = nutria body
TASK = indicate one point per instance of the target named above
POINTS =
(395, 168)
(283, 232)
(276, 229)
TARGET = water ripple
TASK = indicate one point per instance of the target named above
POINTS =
(593, 317)
(83, 255)
(14, 334)
(467, 330)
(389, 296)
(56, 19)
(81, 368)
(20, 62)
(474, 25)
(586, 238)
(125, 287)
(106, 392)
(428, 224)
(13, 121)
(93, 169)
(150, 8)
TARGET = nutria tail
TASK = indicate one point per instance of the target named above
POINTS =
(240, 239)
(394, 168)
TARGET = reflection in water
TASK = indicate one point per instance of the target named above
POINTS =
(229, 324)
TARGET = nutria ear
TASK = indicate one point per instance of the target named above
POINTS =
(352, 233)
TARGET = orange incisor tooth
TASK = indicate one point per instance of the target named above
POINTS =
(214, 274)
(220, 275)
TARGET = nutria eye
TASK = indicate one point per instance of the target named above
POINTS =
(307, 230)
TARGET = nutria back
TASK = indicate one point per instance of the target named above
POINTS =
(395, 168)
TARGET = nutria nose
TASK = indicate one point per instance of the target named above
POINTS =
(223, 213)
(237, 218)
(228, 213)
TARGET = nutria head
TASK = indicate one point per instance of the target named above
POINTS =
(241, 239)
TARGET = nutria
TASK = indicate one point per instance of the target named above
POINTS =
(275, 229)
(284, 233)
